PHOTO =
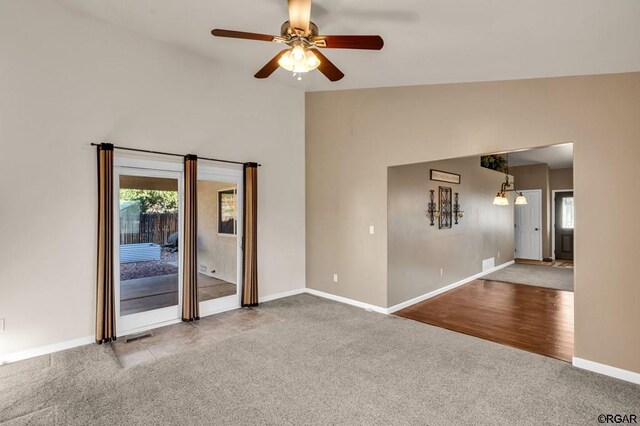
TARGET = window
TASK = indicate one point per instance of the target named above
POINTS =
(567, 213)
(227, 212)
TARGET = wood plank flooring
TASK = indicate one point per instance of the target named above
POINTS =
(534, 319)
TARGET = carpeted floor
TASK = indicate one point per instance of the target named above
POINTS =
(323, 363)
(553, 263)
(538, 276)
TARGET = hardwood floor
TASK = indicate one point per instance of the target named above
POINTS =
(534, 319)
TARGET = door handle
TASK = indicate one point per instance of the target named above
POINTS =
(536, 229)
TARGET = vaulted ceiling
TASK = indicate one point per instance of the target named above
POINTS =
(426, 41)
(556, 156)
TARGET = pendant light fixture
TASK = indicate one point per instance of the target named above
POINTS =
(501, 197)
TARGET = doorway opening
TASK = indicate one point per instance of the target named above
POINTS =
(490, 271)
(148, 223)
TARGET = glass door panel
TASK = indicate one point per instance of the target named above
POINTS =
(217, 240)
(148, 247)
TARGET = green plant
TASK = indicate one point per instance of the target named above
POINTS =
(494, 162)
(152, 201)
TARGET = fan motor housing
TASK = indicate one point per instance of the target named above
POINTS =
(287, 32)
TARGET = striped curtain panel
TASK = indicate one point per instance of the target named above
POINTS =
(190, 308)
(105, 308)
(250, 253)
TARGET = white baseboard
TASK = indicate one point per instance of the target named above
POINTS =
(44, 350)
(281, 295)
(74, 343)
(346, 300)
(584, 364)
(441, 290)
(607, 370)
(403, 305)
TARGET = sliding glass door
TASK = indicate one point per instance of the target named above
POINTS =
(148, 264)
(219, 238)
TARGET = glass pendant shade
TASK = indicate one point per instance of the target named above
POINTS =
(521, 200)
(299, 60)
(500, 200)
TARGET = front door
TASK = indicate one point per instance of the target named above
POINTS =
(528, 226)
(564, 225)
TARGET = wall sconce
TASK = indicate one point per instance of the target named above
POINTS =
(432, 208)
(457, 213)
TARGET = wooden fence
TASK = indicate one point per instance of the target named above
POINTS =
(147, 227)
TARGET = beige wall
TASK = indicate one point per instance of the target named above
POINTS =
(217, 253)
(354, 135)
(67, 80)
(561, 178)
(536, 176)
(416, 251)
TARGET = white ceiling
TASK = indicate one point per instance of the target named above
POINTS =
(426, 41)
(557, 156)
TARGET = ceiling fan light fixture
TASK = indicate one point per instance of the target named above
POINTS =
(292, 60)
(285, 61)
(302, 38)
(297, 53)
(312, 60)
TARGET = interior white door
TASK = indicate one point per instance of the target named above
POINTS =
(528, 226)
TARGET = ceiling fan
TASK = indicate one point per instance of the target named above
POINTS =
(302, 38)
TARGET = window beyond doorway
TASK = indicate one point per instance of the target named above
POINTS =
(567, 212)
(227, 212)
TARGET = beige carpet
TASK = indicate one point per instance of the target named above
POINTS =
(534, 275)
(323, 363)
(554, 263)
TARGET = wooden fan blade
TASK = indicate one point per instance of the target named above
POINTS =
(270, 67)
(327, 68)
(241, 34)
(300, 14)
(368, 42)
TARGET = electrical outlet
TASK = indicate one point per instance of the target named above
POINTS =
(372, 230)
(335, 278)
(1, 325)
(441, 271)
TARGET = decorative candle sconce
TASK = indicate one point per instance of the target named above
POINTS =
(457, 213)
(445, 218)
(432, 208)
(433, 213)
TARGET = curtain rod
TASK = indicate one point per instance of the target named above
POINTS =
(172, 154)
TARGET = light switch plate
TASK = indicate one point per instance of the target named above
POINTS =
(372, 230)
(335, 278)
(1, 325)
